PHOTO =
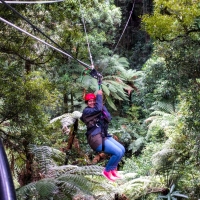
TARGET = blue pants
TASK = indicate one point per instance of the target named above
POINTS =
(117, 150)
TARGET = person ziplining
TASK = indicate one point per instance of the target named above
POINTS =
(95, 116)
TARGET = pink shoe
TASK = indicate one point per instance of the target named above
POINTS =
(108, 175)
(115, 173)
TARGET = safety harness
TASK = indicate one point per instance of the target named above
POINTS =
(96, 120)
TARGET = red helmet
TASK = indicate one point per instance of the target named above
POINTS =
(90, 96)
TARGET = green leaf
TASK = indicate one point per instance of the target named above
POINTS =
(105, 89)
(110, 102)
(116, 96)
(112, 88)
(123, 61)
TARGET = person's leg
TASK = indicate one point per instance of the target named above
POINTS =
(115, 172)
(118, 145)
(116, 150)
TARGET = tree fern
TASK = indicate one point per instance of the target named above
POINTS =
(162, 118)
(116, 80)
(65, 186)
(70, 181)
(47, 157)
(111, 87)
(110, 102)
(65, 181)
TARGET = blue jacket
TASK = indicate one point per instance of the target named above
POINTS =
(102, 115)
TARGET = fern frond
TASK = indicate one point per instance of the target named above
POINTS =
(123, 61)
(106, 89)
(118, 89)
(135, 187)
(28, 190)
(75, 183)
(116, 96)
(136, 145)
(87, 170)
(56, 171)
(113, 78)
(162, 118)
(128, 75)
(163, 106)
(46, 188)
(55, 188)
(105, 190)
(112, 88)
(157, 113)
(89, 83)
(67, 181)
(110, 102)
(47, 157)
(162, 157)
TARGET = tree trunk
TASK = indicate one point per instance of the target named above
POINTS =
(66, 110)
(26, 175)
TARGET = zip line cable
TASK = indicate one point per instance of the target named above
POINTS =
(36, 28)
(88, 44)
(125, 26)
(33, 2)
(38, 39)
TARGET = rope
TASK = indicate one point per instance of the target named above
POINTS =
(125, 26)
(59, 50)
(32, 2)
(88, 44)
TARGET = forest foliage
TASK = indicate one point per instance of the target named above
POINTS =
(154, 99)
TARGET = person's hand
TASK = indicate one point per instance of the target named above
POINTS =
(99, 92)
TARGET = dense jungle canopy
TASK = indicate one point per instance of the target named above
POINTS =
(151, 84)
